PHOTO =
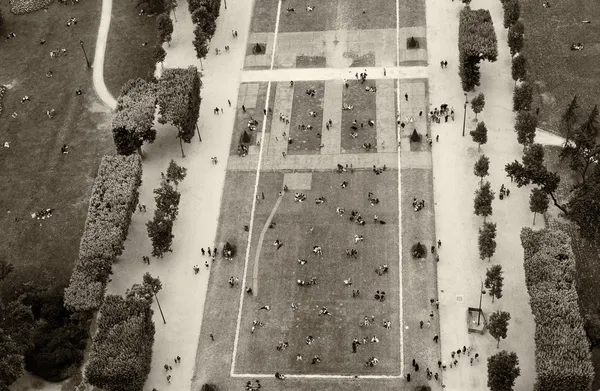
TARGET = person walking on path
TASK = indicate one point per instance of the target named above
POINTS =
(212, 337)
(406, 96)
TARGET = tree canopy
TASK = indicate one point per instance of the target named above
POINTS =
(482, 167)
(494, 281)
(516, 37)
(479, 135)
(483, 200)
(477, 103)
(133, 123)
(525, 126)
(519, 68)
(487, 240)
(503, 369)
(538, 202)
(522, 97)
(164, 26)
(498, 325)
(512, 12)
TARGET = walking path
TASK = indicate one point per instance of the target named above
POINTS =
(460, 271)
(259, 245)
(332, 74)
(98, 66)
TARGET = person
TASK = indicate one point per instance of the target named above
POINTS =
(64, 149)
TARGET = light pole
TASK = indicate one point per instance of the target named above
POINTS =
(174, 5)
(225, 4)
(465, 114)
(84, 53)
(161, 313)
(481, 293)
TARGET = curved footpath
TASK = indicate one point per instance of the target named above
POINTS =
(98, 66)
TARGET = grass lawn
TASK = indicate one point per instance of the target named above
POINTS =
(36, 174)
(264, 16)
(126, 58)
(337, 15)
(586, 253)
(306, 141)
(277, 274)
(364, 110)
(253, 97)
(558, 72)
(279, 270)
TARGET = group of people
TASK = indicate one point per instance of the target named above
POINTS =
(436, 115)
(504, 192)
(418, 205)
(43, 214)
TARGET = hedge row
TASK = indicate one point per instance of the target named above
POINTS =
(121, 351)
(476, 41)
(563, 358)
(114, 199)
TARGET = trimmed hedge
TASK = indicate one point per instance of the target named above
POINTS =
(563, 358)
(476, 41)
(114, 199)
(121, 351)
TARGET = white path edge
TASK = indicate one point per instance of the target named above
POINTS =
(98, 67)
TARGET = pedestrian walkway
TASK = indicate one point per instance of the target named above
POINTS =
(332, 110)
(296, 74)
(98, 66)
(318, 162)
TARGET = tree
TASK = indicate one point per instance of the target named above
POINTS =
(483, 200)
(476, 42)
(200, 43)
(498, 325)
(478, 103)
(525, 126)
(133, 124)
(503, 369)
(516, 37)
(568, 119)
(583, 151)
(167, 200)
(1, 18)
(160, 230)
(494, 281)
(205, 21)
(487, 240)
(519, 68)
(179, 101)
(512, 11)
(164, 26)
(522, 97)
(159, 54)
(479, 135)
(176, 173)
(482, 167)
(156, 6)
(538, 202)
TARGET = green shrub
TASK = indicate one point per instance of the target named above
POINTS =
(563, 358)
(522, 97)
(412, 43)
(114, 199)
(418, 250)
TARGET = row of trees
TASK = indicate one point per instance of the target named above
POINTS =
(113, 201)
(204, 16)
(160, 228)
(563, 358)
(476, 42)
(121, 351)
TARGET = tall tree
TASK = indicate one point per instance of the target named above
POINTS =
(478, 103)
(205, 21)
(512, 11)
(516, 37)
(498, 325)
(160, 230)
(568, 119)
(159, 54)
(503, 369)
(164, 26)
(519, 68)
(494, 281)
(200, 43)
(538, 202)
(487, 240)
(482, 167)
(522, 97)
(156, 6)
(479, 135)
(179, 101)
(133, 123)
(483, 200)
(583, 152)
(525, 126)
(167, 200)
(176, 173)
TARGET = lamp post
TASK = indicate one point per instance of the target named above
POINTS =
(225, 4)
(174, 6)
(84, 53)
(465, 114)
(481, 293)
(161, 313)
